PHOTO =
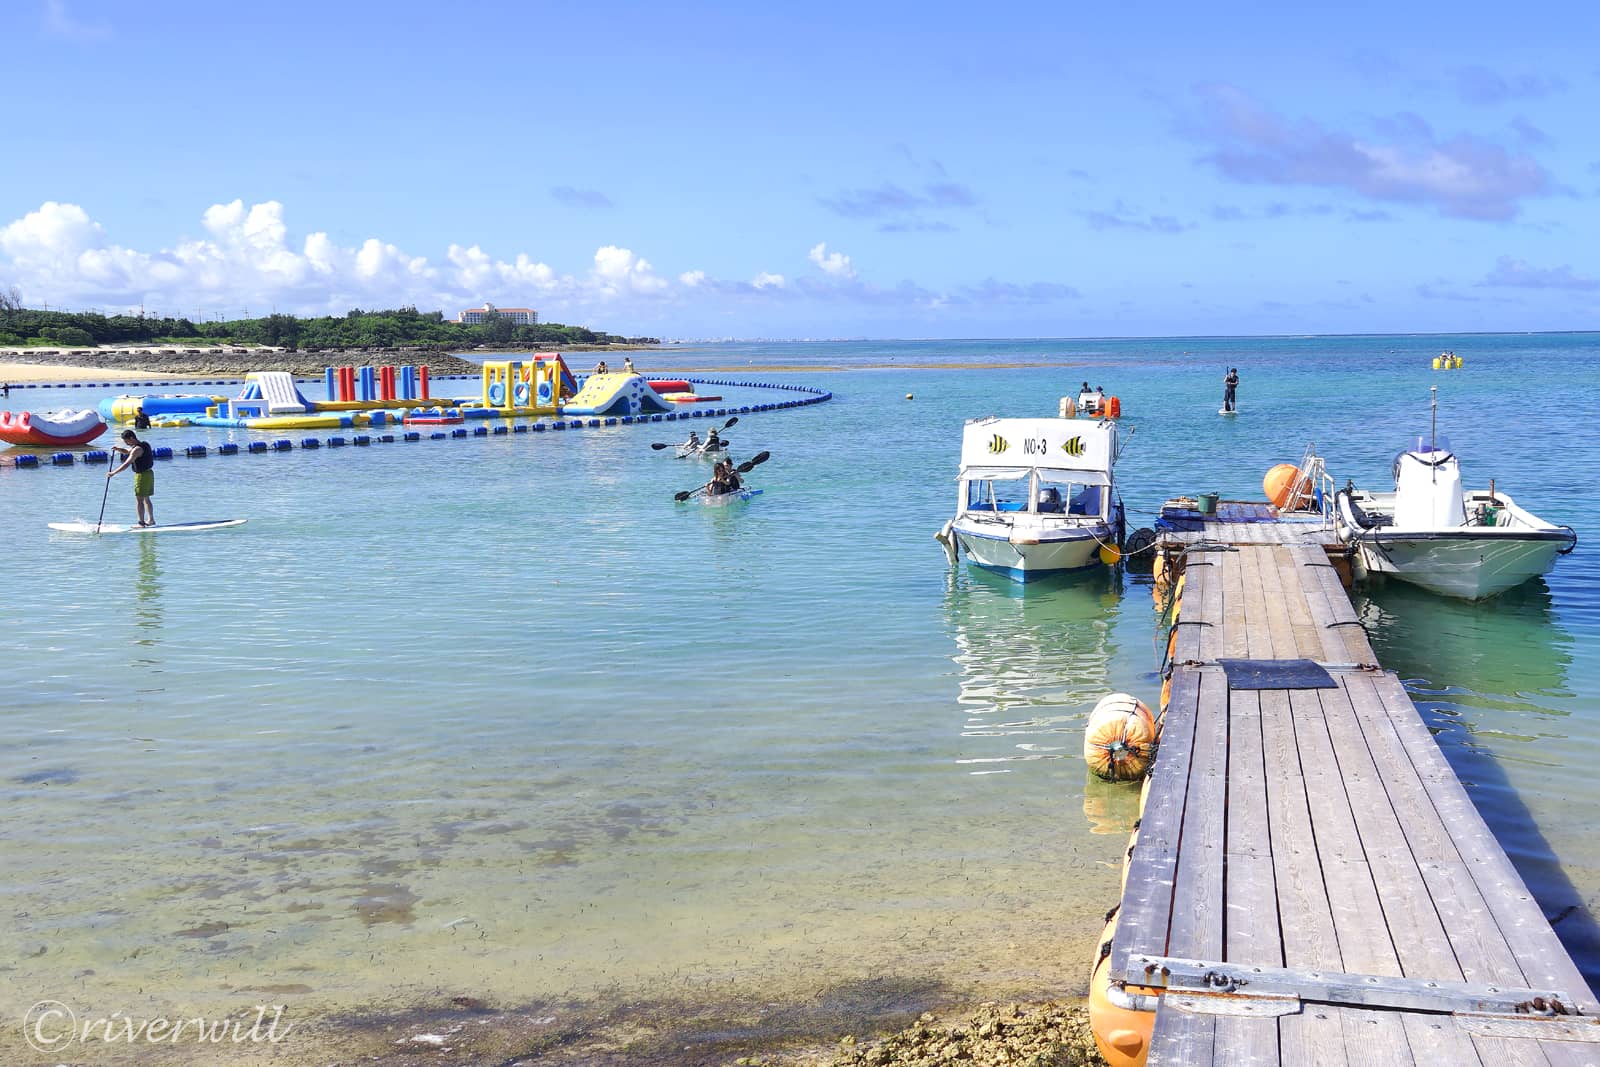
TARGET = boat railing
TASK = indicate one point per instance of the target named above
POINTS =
(1313, 486)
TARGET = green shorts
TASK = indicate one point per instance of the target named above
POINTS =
(144, 484)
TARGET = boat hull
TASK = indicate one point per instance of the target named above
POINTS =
(1471, 567)
(722, 500)
(1024, 557)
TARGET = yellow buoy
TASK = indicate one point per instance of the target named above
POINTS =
(1110, 555)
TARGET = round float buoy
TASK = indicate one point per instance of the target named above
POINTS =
(1122, 1035)
(1120, 740)
(908, 396)
(1110, 555)
(1279, 483)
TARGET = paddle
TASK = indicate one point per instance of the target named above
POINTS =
(744, 468)
(103, 498)
(659, 445)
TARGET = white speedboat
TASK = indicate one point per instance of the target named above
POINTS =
(1036, 495)
(1431, 533)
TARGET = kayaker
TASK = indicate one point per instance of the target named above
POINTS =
(141, 421)
(693, 443)
(730, 475)
(142, 459)
(713, 442)
(1229, 385)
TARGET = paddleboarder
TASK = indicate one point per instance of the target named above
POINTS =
(141, 457)
(1229, 385)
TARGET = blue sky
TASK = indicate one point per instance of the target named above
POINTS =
(816, 170)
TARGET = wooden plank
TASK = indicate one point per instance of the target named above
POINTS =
(1435, 1039)
(1537, 949)
(1314, 1038)
(1377, 1038)
(1364, 942)
(1196, 928)
(1277, 611)
(1305, 917)
(1192, 620)
(1245, 1041)
(1147, 900)
(1259, 643)
(1333, 648)
(1180, 1039)
(1415, 930)
(1237, 622)
(1248, 825)
(1307, 639)
(1211, 608)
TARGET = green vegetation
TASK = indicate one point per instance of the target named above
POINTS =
(395, 328)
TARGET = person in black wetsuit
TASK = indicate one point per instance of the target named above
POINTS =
(141, 421)
(141, 457)
(1229, 385)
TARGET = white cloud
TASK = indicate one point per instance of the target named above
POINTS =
(834, 263)
(59, 22)
(245, 256)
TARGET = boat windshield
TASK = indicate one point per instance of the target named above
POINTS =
(1424, 443)
(1036, 494)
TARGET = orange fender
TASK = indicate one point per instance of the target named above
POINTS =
(1123, 1036)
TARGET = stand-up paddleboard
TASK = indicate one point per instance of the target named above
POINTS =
(118, 528)
(1225, 411)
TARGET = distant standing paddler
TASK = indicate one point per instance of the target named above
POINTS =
(1230, 385)
(143, 461)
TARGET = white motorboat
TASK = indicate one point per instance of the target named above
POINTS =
(1473, 544)
(1036, 495)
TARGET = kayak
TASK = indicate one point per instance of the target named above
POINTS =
(685, 452)
(724, 499)
(119, 528)
(55, 428)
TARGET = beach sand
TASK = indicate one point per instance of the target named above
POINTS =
(59, 372)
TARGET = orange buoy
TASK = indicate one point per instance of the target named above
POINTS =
(1144, 795)
(1122, 1035)
(1279, 483)
(1120, 740)
(1166, 694)
(1114, 408)
(1127, 855)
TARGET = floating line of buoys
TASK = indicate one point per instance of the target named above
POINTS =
(32, 460)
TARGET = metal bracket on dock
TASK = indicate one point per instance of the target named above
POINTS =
(1207, 987)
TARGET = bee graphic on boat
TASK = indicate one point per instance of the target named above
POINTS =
(1073, 447)
(997, 445)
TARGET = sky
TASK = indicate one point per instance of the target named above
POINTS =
(820, 170)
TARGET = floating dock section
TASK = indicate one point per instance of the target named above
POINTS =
(1311, 883)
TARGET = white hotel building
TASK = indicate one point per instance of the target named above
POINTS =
(518, 316)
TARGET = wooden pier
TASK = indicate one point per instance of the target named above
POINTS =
(1311, 883)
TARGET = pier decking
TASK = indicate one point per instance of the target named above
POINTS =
(1311, 882)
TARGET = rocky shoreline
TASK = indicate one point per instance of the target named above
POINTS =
(230, 361)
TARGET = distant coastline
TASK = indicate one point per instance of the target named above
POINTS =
(237, 361)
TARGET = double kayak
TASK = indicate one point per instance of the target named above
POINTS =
(685, 452)
(721, 500)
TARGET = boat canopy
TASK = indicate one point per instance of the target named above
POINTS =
(993, 474)
(1074, 450)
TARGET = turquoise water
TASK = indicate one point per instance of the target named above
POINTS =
(497, 716)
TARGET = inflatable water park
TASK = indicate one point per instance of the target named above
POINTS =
(509, 396)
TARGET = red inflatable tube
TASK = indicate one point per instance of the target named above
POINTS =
(666, 386)
(21, 429)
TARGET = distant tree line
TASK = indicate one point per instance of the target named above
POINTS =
(393, 328)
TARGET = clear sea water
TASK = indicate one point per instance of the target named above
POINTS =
(497, 717)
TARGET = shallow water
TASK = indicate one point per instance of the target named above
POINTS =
(497, 716)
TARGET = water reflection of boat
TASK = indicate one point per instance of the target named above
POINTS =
(1031, 665)
(1512, 644)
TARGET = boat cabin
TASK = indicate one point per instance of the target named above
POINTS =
(1041, 467)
